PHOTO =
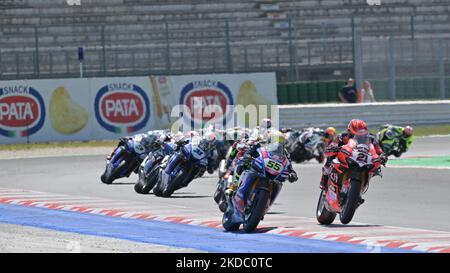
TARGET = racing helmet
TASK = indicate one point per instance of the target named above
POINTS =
(148, 140)
(408, 131)
(330, 131)
(265, 124)
(357, 127)
(205, 144)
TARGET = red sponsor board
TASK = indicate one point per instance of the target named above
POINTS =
(122, 107)
(18, 111)
(199, 103)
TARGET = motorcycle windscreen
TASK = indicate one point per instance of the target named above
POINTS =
(362, 139)
(274, 161)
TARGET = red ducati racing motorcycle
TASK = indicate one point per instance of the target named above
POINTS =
(348, 179)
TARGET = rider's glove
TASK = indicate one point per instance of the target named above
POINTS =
(292, 177)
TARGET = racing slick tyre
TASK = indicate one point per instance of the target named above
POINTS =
(255, 213)
(174, 184)
(351, 202)
(114, 173)
(157, 190)
(146, 184)
(324, 216)
(138, 187)
(223, 205)
(218, 194)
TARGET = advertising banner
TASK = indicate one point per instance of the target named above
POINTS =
(109, 108)
(44, 110)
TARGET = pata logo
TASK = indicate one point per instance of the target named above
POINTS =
(73, 2)
(373, 2)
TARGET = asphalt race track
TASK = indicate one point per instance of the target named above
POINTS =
(410, 198)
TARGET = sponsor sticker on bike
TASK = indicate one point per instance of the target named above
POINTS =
(122, 107)
(22, 111)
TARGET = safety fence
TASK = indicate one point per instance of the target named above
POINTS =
(327, 91)
(109, 108)
(375, 114)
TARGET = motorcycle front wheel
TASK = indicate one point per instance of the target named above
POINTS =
(351, 202)
(175, 183)
(114, 173)
(146, 183)
(256, 211)
(324, 216)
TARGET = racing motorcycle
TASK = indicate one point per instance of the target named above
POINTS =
(259, 186)
(306, 146)
(225, 179)
(125, 159)
(187, 164)
(395, 146)
(350, 172)
(149, 169)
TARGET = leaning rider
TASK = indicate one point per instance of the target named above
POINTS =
(355, 126)
(147, 139)
(276, 138)
(389, 133)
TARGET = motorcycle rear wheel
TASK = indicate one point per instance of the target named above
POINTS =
(223, 205)
(218, 194)
(257, 211)
(324, 216)
(351, 202)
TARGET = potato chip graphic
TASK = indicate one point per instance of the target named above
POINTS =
(248, 95)
(67, 116)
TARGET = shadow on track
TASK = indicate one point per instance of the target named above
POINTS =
(276, 212)
(122, 183)
(188, 195)
(257, 230)
(349, 226)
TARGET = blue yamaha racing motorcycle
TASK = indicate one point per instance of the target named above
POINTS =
(125, 159)
(149, 169)
(259, 186)
(188, 163)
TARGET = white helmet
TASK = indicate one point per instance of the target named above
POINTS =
(265, 124)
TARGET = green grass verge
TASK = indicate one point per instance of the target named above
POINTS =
(427, 131)
(435, 161)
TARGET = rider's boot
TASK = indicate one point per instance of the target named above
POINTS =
(231, 189)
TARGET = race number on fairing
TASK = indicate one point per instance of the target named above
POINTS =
(198, 153)
(272, 166)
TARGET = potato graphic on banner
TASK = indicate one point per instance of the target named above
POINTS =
(248, 95)
(67, 116)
